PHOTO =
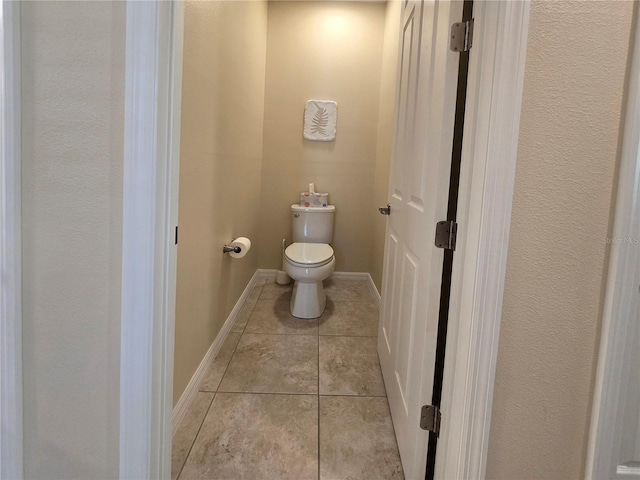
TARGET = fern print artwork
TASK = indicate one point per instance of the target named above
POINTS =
(320, 120)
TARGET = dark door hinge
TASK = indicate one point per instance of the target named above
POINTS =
(430, 418)
(461, 36)
(446, 233)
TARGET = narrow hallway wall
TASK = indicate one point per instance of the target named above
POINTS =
(73, 69)
(569, 132)
(322, 51)
(220, 164)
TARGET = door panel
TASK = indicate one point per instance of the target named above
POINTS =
(418, 194)
(387, 324)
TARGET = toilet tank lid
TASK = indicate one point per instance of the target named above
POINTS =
(328, 209)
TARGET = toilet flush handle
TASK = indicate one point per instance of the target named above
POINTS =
(385, 210)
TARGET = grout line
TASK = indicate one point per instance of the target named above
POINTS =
(368, 301)
(253, 307)
(269, 393)
(284, 334)
(351, 336)
(227, 365)
(280, 334)
(299, 394)
(351, 396)
(235, 348)
(193, 442)
(318, 399)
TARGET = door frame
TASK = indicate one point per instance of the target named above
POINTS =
(11, 436)
(153, 89)
(621, 282)
(152, 118)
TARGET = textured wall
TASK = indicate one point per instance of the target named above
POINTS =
(386, 130)
(73, 57)
(574, 82)
(220, 165)
(322, 51)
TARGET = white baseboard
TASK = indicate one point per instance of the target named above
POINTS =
(187, 397)
(361, 276)
(375, 292)
(265, 274)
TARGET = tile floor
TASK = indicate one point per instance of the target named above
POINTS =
(293, 399)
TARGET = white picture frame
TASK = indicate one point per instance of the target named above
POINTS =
(320, 118)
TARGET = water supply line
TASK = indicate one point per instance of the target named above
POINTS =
(281, 277)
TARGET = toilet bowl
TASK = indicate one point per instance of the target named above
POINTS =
(308, 264)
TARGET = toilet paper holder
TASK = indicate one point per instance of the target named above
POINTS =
(237, 247)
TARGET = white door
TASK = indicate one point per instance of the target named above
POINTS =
(418, 194)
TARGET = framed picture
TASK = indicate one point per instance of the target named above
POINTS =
(320, 120)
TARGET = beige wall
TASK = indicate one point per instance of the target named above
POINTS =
(220, 165)
(574, 82)
(322, 51)
(72, 80)
(386, 129)
(73, 58)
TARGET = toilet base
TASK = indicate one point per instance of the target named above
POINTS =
(308, 300)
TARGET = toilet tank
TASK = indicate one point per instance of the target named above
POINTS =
(312, 224)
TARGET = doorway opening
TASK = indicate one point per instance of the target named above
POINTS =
(154, 57)
(249, 69)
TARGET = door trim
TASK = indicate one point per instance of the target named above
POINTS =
(494, 96)
(151, 153)
(622, 283)
(11, 417)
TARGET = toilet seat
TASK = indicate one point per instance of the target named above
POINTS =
(309, 254)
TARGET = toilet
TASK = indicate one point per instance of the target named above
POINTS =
(309, 259)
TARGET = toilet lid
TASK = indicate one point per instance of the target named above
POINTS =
(309, 253)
